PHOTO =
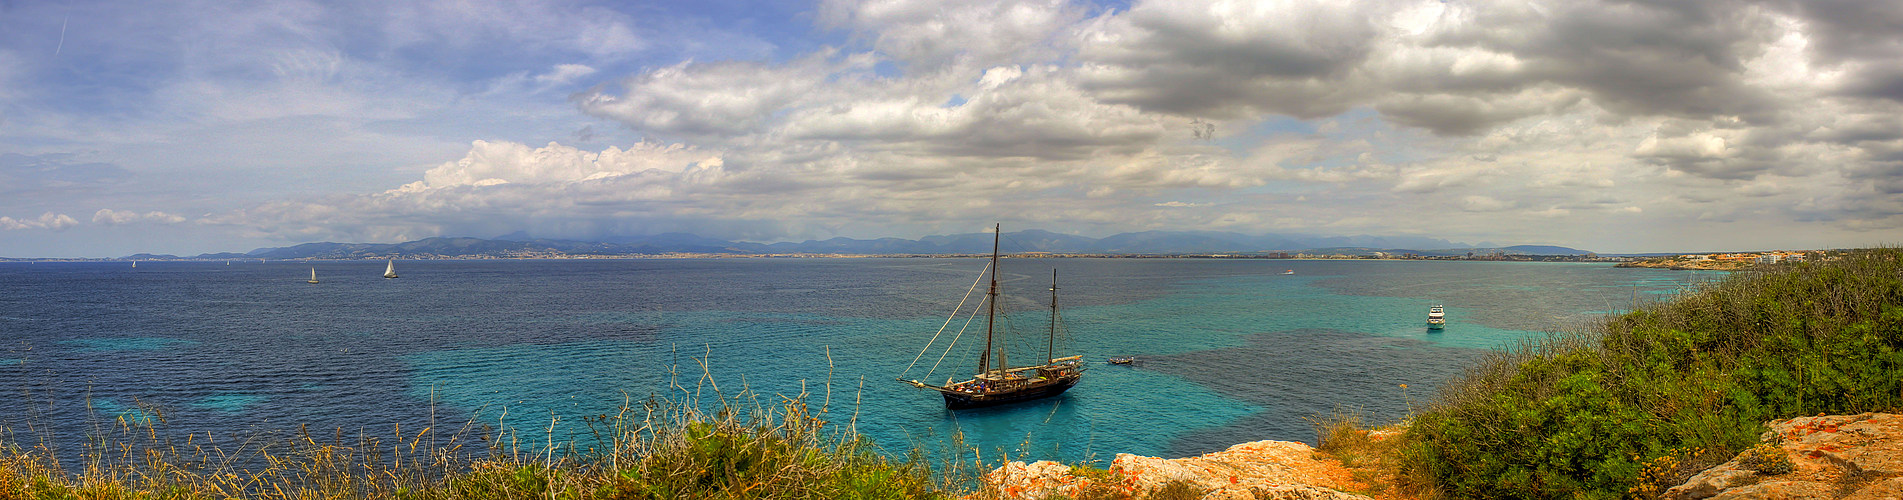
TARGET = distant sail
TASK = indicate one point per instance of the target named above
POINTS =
(389, 271)
(313, 276)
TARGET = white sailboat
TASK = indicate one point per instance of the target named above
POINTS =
(389, 271)
(313, 276)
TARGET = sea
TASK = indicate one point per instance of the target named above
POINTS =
(1229, 350)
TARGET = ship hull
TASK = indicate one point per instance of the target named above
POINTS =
(962, 401)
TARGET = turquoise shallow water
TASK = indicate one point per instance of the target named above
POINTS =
(1232, 350)
(1240, 356)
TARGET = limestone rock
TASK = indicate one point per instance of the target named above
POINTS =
(1038, 479)
(1708, 483)
(1781, 490)
(1890, 489)
(1261, 469)
(1832, 456)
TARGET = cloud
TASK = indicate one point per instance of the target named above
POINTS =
(596, 31)
(562, 191)
(1851, 30)
(721, 98)
(1481, 203)
(1012, 112)
(112, 217)
(564, 73)
(1230, 59)
(905, 117)
(501, 187)
(25, 173)
(496, 163)
(49, 220)
(1458, 115)
(1679, 59)
(1544, 109)
(1880, 82)
(928, 35)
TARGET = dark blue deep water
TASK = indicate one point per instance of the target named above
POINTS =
(1232, 350)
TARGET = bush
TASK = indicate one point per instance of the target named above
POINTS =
(1673, 469)
(1767, 459)
(1586, 414)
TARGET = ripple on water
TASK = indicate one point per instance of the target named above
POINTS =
(229, 403)
(129, 343)
(131, 414)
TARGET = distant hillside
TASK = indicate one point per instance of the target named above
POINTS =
(1512, 250)
(1146, 242)
(1543, 250)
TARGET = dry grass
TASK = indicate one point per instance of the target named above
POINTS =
(1371, 454)
(654, 448)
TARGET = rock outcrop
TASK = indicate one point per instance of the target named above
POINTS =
(1261, 469)
(1854, 457)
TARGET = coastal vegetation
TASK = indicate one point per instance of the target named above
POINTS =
(1647, 398)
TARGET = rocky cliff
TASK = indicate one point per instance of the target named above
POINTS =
(1849, 457)
(1256, 470)
(1852, 457)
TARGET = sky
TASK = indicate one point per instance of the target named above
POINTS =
(187, 126)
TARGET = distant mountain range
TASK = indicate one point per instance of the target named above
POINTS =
(1143, 243)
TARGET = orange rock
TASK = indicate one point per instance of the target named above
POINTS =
(1261, 469)
(1824, 451)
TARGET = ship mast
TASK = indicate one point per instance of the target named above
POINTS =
(984, 360)
(1050, 346)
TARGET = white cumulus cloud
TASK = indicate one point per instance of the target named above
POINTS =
(112, 217)
(493, 163)
(49, 220)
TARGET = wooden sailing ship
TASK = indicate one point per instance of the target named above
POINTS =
(997, 382)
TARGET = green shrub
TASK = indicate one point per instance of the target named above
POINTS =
(1591, 414)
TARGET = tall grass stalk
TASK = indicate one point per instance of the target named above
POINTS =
(734, 447)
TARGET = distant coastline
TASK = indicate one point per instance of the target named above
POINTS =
(1028, 244)
(1020, 255)
(1148, 244)
(1724, 261)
